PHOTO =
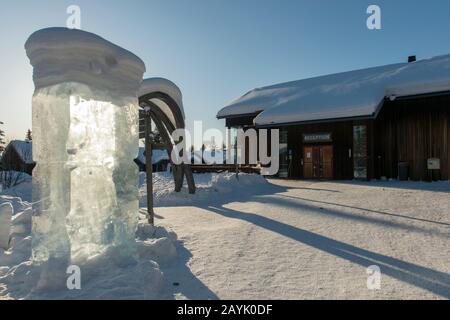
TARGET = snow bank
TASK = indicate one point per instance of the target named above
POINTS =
(209, 185)
(108, 275)
(349, 94)
(20, 194)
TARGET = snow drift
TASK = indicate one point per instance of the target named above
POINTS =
(107, 275)
(110, 275)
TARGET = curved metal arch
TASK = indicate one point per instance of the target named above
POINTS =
(170, 102)
(163, 120)
(164, 126)
(163, 123)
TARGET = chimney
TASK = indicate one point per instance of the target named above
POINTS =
(412, 59)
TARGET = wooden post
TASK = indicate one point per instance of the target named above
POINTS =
(149, 168)
(189, 178)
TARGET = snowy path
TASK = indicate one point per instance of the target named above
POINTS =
(307, 240)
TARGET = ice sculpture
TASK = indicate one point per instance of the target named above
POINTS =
(85, 137)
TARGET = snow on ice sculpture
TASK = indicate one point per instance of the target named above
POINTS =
(85, 136)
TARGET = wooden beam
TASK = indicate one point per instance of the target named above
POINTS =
(149, 169)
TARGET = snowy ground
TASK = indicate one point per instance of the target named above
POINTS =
(315, 240)
(253, 239)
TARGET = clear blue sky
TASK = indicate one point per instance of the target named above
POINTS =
(216, 50)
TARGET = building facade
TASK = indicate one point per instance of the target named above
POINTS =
(18, 157)
(406, 136)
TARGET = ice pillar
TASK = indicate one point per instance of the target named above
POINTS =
(85, 136)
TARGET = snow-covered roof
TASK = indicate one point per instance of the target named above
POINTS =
(351, 94)
(24, 149)
(157, 155)
(161, 85)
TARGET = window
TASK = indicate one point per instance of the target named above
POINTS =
(360, 152)
(284, 154)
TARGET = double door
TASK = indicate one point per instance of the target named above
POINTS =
(318, 162)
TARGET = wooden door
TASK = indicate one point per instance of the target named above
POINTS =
(311, 162)
(316, 167)
(318, 162)
(326, 162)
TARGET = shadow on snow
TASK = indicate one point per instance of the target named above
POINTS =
(431, 280)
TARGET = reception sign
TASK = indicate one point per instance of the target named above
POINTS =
(316, 137)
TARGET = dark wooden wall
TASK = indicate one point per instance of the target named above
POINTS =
(412, 130)
(12, 161)
(242, 121)
(342, 135)
(405, 130)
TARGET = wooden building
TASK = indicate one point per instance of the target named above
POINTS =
(385, 122)
(160, 160)
(18, 157)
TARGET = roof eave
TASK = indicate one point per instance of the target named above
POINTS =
(232, 116)
(295, 123)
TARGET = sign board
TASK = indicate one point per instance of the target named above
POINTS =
(316, 137)
(434, 164)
